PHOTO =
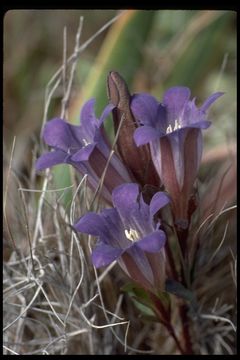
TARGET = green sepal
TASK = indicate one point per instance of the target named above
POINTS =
(140, 298)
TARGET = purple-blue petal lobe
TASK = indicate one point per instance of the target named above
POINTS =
(210, 100)
(92, 224)
(106, 112)
(104, 255)
(144, 108)
(175, 98)
(87, 113)
(84, 153)
(61, 135)
(153, 242)
(159, 200)
(50, 159)
(204, 124)
(124, 198)
(144, 135)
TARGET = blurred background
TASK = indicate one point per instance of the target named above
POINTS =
(151, 49)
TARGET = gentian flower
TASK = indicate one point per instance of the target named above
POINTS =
(173, 129)
(129, 234)
(137, 160)
(86, 148)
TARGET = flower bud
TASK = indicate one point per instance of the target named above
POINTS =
(137, 160)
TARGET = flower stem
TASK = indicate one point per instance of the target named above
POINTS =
(173, 334)
(171, 261)
(182, 235)
(183, 310)
(164, 318)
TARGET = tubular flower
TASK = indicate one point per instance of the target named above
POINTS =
(85, 147)
(137, 160)
(173, 129)
(129, 234)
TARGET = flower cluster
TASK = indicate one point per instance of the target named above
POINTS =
(159, 147)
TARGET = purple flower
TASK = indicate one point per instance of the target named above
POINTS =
(129, 234)
(173, 130)
(86, 148)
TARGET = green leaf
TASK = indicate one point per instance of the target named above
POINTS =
(144, 309)
(136, 291)
(140, 298)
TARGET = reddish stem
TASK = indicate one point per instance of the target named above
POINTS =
(173, 334)
(183, 310)
(182, 235)
(171, 261)
(165, 319)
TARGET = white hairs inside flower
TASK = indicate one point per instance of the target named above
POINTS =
(176, 126)
(85, 142)
(132, 234)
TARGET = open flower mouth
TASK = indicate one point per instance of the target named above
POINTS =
(132, 235)
(170, 128)
(85, 142)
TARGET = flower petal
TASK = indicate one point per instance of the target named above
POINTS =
(50, 159)
(90, 125)
(210, 100)
(177, 139)
(124, 198)
(175, 98)
(139, 262)
(144, 108)
(87, 115)
(159, 200)
(92, 224)
(84, 153)
(116, 230)
(106, 112)
(104, 255)
(61, 135)
(203, 124)
(134, 215)
(157, 157)
(152, 243)
(161, 122)
(144, 135)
